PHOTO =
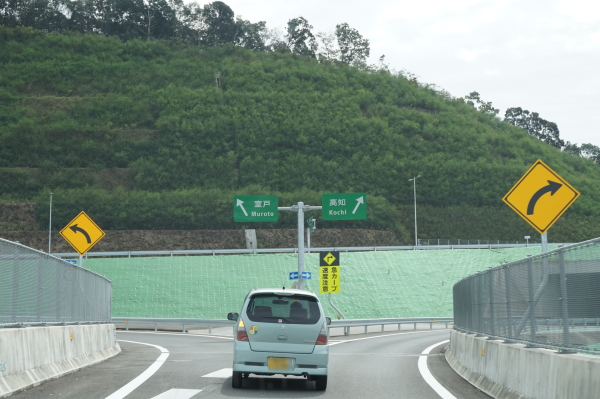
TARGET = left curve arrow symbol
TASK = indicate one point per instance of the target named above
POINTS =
(551, 188)
(82, 231)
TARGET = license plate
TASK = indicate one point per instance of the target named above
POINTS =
(279, 363)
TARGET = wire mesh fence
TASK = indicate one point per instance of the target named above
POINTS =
(550, 300)
(38, 288)
(462, 241)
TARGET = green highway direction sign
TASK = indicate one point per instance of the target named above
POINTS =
(255, 208)
(351, 206)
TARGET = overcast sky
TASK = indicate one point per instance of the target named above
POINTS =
(540, 55)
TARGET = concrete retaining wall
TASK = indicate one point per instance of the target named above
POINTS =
(31, 355)
(513, 371)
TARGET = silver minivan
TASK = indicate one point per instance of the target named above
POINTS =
(281, 331)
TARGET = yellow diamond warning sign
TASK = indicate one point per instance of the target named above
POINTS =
(541, 196)
(329, 258)
(82, 233)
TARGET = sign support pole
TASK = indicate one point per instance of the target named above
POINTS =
(300, 208)
(300, 244)
(545, 242)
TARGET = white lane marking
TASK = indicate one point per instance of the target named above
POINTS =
(223, 373)
(140, 379)
(428, 377)
(177, 334)
(178, 394)
(381, 336)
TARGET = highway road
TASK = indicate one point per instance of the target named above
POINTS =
(172, 365)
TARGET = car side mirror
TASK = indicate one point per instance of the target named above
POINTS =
(232, 316)
(328, 320)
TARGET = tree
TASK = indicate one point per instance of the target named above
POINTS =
(300, 39)
(485, 107)
(329, 50)
(591, 151)
(354, 49)
(537, 127)
(251, 35)
(572, 149)
(219, 24)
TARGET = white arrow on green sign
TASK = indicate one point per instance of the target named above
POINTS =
(352, 206)
(255, 208)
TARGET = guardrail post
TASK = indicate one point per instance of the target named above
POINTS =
(431, 326)
(399, 327)
(365, 329)
(155, 327)
(209, 329)
(415, 326)
(183, 328)
(382, 328)
(126, 326)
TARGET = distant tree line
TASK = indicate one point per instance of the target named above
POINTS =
(211, 24)
(535, 126)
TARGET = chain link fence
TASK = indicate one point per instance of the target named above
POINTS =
(36, 288)
(550, 300)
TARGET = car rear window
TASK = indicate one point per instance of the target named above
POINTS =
(292, 309)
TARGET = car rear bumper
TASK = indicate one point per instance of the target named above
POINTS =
(247, 361)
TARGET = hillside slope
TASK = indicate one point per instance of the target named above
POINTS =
(142, 135)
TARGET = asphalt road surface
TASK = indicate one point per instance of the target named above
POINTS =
(379, 365)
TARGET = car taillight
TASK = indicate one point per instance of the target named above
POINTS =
(322, 338)
(241, 334)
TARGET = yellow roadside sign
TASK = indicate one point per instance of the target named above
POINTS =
(541, 196)
(82, 233)
(329, 279)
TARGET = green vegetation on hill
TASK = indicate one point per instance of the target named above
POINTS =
(142, 136)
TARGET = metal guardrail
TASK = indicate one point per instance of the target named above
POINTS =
(289, 250)
(346, 324)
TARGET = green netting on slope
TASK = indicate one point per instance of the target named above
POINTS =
(373, 284)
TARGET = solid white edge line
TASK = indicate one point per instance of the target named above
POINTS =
(177, 334)
(140, 379)
(428, 377)
(380, 336)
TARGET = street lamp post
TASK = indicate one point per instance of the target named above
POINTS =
(414, 180)
(50, 227)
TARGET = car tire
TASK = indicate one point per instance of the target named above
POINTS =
(236, 379)
(321, 382)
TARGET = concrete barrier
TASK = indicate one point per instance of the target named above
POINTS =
(513, 371)
(31, 355)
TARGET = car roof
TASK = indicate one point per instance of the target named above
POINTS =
(292, 291)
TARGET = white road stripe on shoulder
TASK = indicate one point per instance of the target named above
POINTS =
(178, 394)
(140, 379)
(380, 336)
(223, 373)
(177, 334)
(428, 377)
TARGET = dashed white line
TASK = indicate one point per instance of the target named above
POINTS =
(178, 394)
(223, 373)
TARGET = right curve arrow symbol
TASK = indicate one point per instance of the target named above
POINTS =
(551, 188)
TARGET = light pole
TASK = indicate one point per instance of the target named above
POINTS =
(50, 227)
(414, 180)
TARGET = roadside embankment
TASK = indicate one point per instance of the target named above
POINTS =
(32, 355)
